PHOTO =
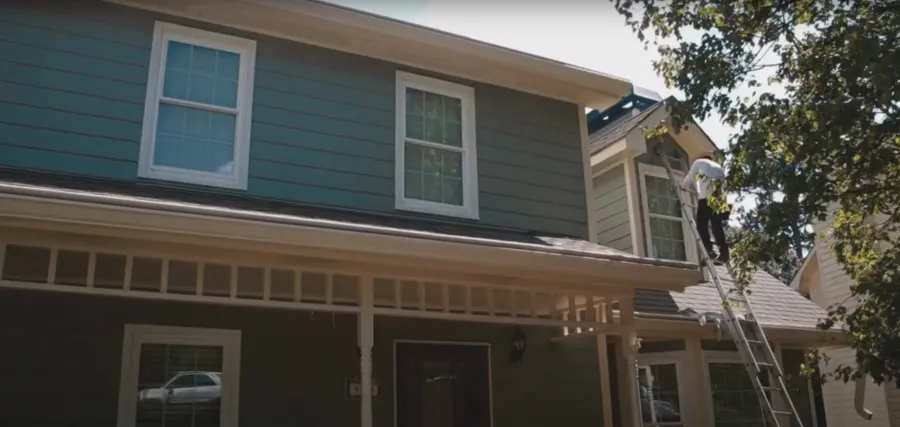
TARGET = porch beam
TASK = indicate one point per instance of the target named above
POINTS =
(610, 329)
(192, 248)
(161, 219)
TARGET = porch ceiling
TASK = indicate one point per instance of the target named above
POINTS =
(462, 251)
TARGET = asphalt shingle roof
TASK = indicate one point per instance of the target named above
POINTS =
(618, 128)
(774, 303)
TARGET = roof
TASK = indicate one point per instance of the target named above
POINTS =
(774, 303)
(617, 129)
(181, 199)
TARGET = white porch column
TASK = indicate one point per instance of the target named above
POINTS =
(603, 360)
(629, 391)
(366, 341)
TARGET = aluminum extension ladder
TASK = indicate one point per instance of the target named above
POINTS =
(748, 335)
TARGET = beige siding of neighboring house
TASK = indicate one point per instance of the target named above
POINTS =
(892, 402)
(839, 403)
(611, 206)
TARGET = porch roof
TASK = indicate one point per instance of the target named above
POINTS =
(173, 198)
(775, 304)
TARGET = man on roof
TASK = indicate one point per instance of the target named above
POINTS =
(708, 174)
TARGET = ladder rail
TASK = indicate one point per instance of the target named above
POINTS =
(738, 334)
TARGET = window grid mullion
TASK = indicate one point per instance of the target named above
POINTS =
(198, 105)
(436, 145)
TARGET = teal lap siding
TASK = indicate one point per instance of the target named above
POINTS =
(72, 87)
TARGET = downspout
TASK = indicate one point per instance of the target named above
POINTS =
(859, 398)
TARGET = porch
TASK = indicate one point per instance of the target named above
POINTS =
(106, 323)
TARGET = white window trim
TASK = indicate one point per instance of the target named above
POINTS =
(718, 356)
(670, 358)
(135, 335)
(162, 34)
(645, 170)
(466, 94)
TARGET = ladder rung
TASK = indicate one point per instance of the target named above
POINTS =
(783, 413)
(755, 342)
(769, 388)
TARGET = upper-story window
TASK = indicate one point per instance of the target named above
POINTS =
(666, 230)
(436, 161)
(197, 112)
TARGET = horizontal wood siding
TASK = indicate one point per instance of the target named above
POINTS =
(68, 352)
(611, 207)
(72, 88)
(554, 384)
(838, 396)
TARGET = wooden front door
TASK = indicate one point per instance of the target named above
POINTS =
(442, 385)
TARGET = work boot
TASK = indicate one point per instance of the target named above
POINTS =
(722, 259)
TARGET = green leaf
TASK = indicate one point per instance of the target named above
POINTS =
(819, 141)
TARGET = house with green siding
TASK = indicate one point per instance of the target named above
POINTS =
(635, 209)
(284, 212)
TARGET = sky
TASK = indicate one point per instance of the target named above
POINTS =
(587, 33)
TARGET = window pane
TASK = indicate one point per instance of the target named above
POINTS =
(189, 138)
(661, 197)
(665, 391)
(201, 74)
(667, 238)
(433, 174)
(434, 118)
(659, 395)
(174, 387)
(734, 400)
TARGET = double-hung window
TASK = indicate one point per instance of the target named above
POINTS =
(436, 160)
(667, 232)
(198, 107)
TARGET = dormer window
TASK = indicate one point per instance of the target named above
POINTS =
(665, 228)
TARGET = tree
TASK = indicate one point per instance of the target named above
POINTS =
(783, 266)
(823, 133)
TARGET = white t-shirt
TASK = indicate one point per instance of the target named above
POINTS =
(710, 171)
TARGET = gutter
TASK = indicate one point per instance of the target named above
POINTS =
(216, 211)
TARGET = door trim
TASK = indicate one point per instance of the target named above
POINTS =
(446, 343)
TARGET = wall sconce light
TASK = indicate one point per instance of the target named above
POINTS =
(519, 343)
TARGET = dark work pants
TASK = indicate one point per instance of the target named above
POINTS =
(705, 218)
